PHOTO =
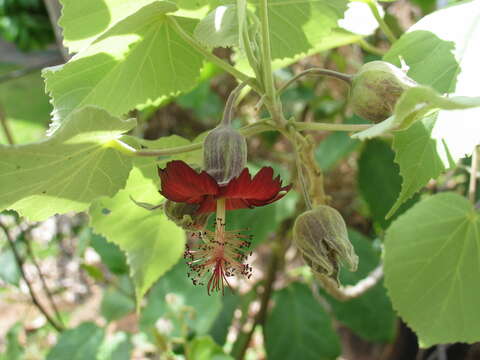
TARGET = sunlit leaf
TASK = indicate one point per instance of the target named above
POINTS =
(66, 171)
(432, 260)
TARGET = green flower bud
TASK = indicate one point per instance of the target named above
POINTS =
(224, 153)
(376, 89)
(183, 215)
(321, 236)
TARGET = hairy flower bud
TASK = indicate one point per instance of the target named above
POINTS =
(376, 89)
(321, 236)
(224, 153)
(183, 215)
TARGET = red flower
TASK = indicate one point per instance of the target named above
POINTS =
(220, 253)
(181, 183)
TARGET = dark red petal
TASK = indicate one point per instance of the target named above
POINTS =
(208, 205)
(259, 191)
(181, 183)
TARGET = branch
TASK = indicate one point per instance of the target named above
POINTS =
(5, 127)
(42, 279)
(35, 300)
(472, 187)
(15, 74)
(353, 291)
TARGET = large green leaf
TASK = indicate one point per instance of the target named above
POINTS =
(140, 59)
(219, 28)
(297, 26)
(79, 343)
(416, 154)
(26, 123)
(204, 348)
(337, 37)
(299, 328)
(432, 262)
(66, 171)
(447, 57)
(83, 22)
(371, 315)
(152, 243)
(379, 180)
(14, 350)
(184, 298)
(118, 347)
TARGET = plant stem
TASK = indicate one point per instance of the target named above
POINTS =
(5, 127)
(211, 57)
(316, 71)
(249, 130)
(383, 25)
(353, 291)
(301, 126)
(300, 174)
(365, 45)
(35, 300)
(472, 186)
(230, 105)
(268, 80)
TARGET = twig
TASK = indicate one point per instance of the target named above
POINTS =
(472, 187)
(274, 264)
(353, 291)
(365, 45)
(15, 74)
(35, 300)
(383, 25)
(44, 283)
(6, 129)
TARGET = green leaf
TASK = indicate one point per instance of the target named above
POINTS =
(297, 26)
(448, 61)
(9, 271)
(337, 37)
(416, 154)
(79, 343)
(118, 347)
(183, 298)
(204, 348)
(379, 180)
(26, 123)
(219, 28)
(116, 304)
(333, 148)
(152, 243)
(432, 260)
(14, 350)
(66, 171)
(138, 60)
(414, 104)
(220, 327)
(83, 22)
(112, 257)
(371, 315)
(299, 328)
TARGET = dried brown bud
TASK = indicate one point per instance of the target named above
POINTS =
(184, 215)
(224, 153)
(376, 89)
(321, 236)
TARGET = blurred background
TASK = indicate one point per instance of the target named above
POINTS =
(81, 280)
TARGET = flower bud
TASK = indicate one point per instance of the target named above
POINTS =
(183, 215)
(224, 153)
(376, 89)
(321, 236)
